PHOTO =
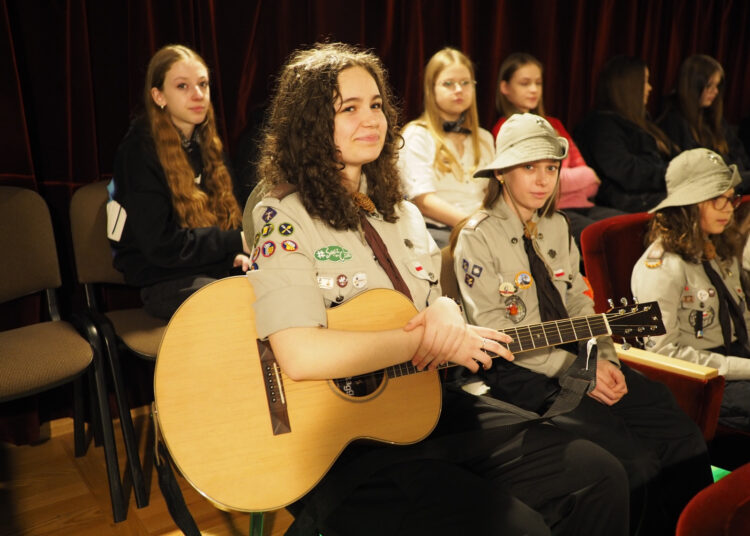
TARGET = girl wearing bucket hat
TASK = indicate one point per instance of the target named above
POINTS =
(445, 145)
(691, 268)
(519, 90)
(516, 264)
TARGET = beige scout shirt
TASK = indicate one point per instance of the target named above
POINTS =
(416, 162)
(495, 280)
(302, 265)
(683, 291)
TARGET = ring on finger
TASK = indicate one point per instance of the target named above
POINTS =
(484, 341)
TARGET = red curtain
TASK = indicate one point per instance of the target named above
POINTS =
(72, 70)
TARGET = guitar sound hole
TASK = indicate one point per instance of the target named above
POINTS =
(359, 386)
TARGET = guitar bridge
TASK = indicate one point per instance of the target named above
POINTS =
(274, 386)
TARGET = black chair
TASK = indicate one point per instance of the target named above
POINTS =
(38, 357)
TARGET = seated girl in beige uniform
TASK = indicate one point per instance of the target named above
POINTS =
(335, 225)
(691, 268)
(517, 264)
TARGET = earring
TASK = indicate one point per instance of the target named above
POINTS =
(162, 106)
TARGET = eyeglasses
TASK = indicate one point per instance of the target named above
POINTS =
(720, 202)
(462, 84)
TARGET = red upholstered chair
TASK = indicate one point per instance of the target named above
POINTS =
(722, 509)
(610, 249)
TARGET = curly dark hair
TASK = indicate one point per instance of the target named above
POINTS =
(680, 233)
(298, 146)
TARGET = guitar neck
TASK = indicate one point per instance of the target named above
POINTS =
(534, 337)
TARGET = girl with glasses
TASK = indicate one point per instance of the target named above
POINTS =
(691, 268)
(445, 145)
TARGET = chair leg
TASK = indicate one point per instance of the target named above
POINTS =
(96, 424)
(126, 420)
(256, 524)
(79, 427)
(119, 506)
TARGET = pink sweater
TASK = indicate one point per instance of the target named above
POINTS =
(578, 182)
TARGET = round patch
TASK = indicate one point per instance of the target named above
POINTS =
(253, 266)
(515, 309)
(507, 288)
(257, 237)
(256, 252)
(708, 317)
(524, 280)
(702, 294)
(289, 245)
(268, 248)
(359, 280)
(342, 280)
(267, 229)
(285, 229)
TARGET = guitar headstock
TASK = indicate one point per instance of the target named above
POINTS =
(636, 320)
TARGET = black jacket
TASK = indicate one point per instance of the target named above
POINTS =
(627, 160)
(153, 247)
(674, 125)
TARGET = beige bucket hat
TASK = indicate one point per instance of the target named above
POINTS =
(695, 176)
(525, 138)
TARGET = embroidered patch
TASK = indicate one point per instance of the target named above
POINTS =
(253, 266)
(256, 252)
(285, 229)
(267, 229)
(708, 317)
(359, 280)
(325, 282)
(417, 266)
(342, 280)
(257, 237)
(465, 265)
(523, 280)
(515, 309)
(652, 263)
(559, 273)
(469, 280)
(268, 248)
(712, 292)
(268, 215)
(702, 294)
(289, 245)
(476, 270)
(333, 254)
(688, 298)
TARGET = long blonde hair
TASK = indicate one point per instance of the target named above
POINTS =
(431, 120)
(195, 208)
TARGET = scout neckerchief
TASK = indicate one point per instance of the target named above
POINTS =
(376, 244)
(728, 308)
(457, 125)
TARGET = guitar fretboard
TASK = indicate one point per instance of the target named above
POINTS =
(533, 337)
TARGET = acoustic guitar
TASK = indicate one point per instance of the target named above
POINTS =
(250, 439)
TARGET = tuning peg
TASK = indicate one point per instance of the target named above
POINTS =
(610, 303)
(624, 301)
(635, 300)
(650, 343)
(625, 345)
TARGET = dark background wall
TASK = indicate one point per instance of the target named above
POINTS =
(71, 71)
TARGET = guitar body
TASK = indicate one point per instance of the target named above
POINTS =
(212, 400)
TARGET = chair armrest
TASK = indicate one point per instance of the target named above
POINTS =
(665, 363)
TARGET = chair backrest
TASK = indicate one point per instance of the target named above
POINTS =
(448, 281)
(610, 249)
(88, 224)
(27, 244)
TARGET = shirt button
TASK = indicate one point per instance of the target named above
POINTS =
(514, 240)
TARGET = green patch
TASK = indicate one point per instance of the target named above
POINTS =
(333, 254)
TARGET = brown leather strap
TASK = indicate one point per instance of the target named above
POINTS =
(384, 259)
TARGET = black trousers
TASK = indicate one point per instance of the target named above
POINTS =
(536, 481)
(162, 299)
(661, 448)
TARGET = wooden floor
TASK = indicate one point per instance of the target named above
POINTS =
(50, 491)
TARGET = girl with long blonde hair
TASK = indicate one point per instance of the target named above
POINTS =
(445, 145)
(174, 220)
